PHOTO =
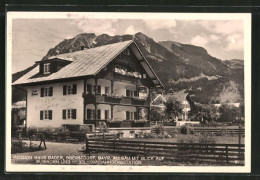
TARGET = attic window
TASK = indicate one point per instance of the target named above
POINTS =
(46, 68)
(126, 52)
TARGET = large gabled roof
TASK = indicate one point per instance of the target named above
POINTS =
(88, 62)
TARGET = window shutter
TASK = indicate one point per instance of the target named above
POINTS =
(42, 92)
(50, 114)
(74, 90)
(41, 115)
(64, 90)
(135, 93)
(64, 114)
(88, 113)
(74, 115)
(51, 91)
(98, 114)
(127, 115)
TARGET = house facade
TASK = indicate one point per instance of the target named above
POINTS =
(160, 100)
(109, 84)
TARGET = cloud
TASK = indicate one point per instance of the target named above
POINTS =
(160, 24)
(199, 41)
(131, 30)
(223, 27)
(97, 26)
(235, 42)
(213, 38)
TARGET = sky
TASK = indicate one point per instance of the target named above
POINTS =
(32, 38)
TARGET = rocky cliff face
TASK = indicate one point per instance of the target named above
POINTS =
(179, 66)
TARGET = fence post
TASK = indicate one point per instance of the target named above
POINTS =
(144, 149)
(227, 154)
(114, 144)
(87, 145)
(239, 140)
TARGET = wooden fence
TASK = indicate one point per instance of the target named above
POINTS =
(230, 131)
(203, 130)
(224, 154)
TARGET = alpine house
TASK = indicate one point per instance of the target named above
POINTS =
(110, 83)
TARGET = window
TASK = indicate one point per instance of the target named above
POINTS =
(98, 89)
(126, 52)
(128, 93)
(106, 114)
(46, 115)
(89, 88)
(90, 114)
(46, 68)
(70, 89)
(107, 90)
(127, 115)
(46, 91)
(69, 114)
(98, 114)
(131, 93)
(130, 115)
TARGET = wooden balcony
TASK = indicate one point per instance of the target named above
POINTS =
(104, 99)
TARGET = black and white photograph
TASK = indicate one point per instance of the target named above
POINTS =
(128, 92)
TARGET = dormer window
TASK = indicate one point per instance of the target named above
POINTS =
(126, 52)
(46, 68)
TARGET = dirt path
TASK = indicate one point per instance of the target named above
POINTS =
(54, 148)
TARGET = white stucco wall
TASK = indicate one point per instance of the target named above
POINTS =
(56, 103)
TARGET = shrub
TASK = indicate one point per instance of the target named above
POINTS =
(184, 130)
(159, 129)
(191, 131)
(148, 135)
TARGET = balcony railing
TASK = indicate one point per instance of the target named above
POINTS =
(91, 98)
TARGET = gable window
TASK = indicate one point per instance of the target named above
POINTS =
(69, 114)
(126, 52)
(70, 89)
(46, 115)
(46, 91)
(46, 68)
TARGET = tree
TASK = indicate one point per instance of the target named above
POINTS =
(157, 114)
(203, 112)
(229, 113)
(173, 108)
